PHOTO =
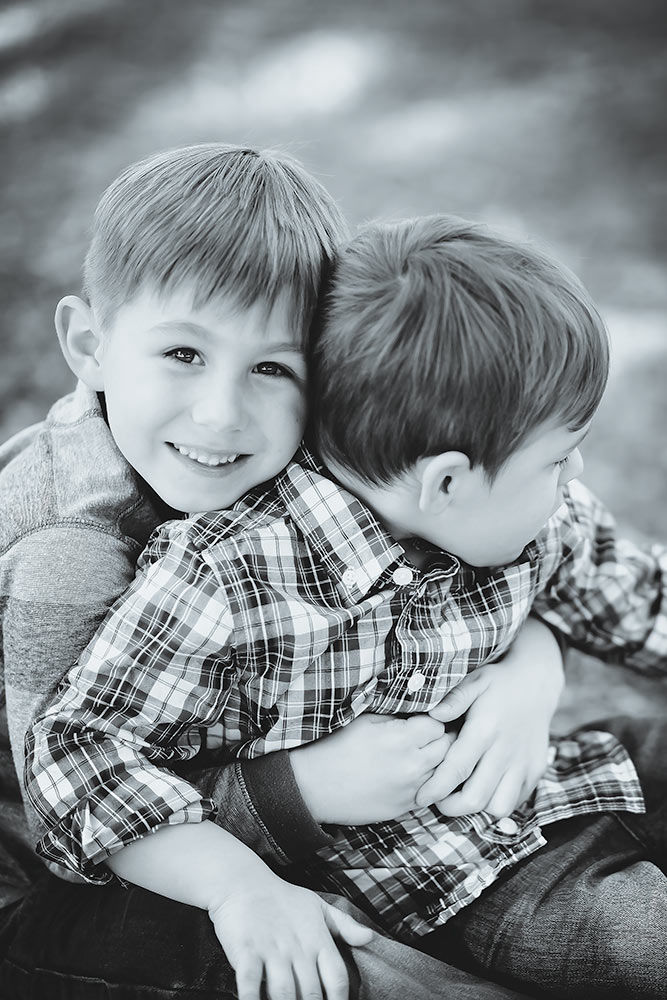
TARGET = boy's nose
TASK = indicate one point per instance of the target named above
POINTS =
(220, 408)
(575, 466)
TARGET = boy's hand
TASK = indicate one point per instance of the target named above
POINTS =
(370, 770)
(502, 747)
(279, 938)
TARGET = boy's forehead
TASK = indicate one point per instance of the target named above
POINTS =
(182, 308)
(555, 436)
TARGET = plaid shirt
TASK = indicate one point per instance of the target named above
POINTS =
(290, 615)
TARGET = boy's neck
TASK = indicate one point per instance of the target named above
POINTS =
(418, 552)
(418, 556)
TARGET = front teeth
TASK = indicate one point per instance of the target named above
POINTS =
(203, 458)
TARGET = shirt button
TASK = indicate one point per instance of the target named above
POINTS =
(416, 681)
(402, 576)
(507, 826)
(349, 578)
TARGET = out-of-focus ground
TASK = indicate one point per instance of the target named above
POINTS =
(546, 118)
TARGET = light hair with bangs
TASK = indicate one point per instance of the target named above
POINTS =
(439, 335)
(249, 224)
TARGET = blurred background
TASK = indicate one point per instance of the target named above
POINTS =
(546, 117)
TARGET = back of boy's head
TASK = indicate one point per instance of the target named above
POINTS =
(438, 335)
(247, 224)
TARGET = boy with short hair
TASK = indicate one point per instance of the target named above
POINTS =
(453, 381)
(201, 279)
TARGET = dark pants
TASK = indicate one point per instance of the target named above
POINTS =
(586, 916)
(66, 942)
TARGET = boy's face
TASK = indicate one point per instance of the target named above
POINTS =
(489, 524)
(484, 524)
(204, 403)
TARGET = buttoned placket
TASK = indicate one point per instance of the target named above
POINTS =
(404, 576)
(433, 576)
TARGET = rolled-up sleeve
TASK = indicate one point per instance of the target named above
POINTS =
(160, 667)
(607, 595)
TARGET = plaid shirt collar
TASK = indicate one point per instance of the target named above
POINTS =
(346, 536)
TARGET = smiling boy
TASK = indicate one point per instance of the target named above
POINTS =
(205, 401)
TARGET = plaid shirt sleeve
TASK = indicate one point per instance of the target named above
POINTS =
(159, 667)
(607, 595)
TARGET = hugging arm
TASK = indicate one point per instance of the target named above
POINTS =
(48, 618)
(501, 748)
(97, 773)
(59, 583)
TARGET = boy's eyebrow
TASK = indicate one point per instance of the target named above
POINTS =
(183, 326)
(580, 439)
(195, 329)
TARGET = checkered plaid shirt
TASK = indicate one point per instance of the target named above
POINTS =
(285, 618)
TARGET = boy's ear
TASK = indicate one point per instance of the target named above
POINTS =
(441, 477)
(80, 340)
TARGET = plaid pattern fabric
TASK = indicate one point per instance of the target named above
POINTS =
(273, 624)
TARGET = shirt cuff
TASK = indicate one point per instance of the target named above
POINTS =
(275, 795)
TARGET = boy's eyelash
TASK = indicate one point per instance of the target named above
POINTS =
(562, 462)
(283, 371)
(182, 350)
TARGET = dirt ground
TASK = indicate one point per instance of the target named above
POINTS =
(546, 118)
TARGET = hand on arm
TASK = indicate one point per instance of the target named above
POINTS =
(501, 750)
(371, 769)
(272, 932)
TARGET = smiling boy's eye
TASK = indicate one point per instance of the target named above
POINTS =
(272, 368)
(186, 355)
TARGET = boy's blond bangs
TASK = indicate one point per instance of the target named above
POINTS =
(227, 220)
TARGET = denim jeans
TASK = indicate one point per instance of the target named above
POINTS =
(67, 942)
(586, 916)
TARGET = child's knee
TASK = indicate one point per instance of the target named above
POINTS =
(620, 950)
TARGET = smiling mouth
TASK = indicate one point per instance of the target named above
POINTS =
(206, 459)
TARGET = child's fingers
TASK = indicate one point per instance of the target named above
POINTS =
(457, 702)
(508, 795)
(249, 976)
(421, 729)
(476, 791)
(457, 766)
(434, 753)
(345, 926)
(280, 983)
(333, 974)
(539, 766)
(307, 975)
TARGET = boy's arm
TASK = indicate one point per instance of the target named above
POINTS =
(607, 596)
(156, 670)
(159, 668)
(278, 937)
(58, 585)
